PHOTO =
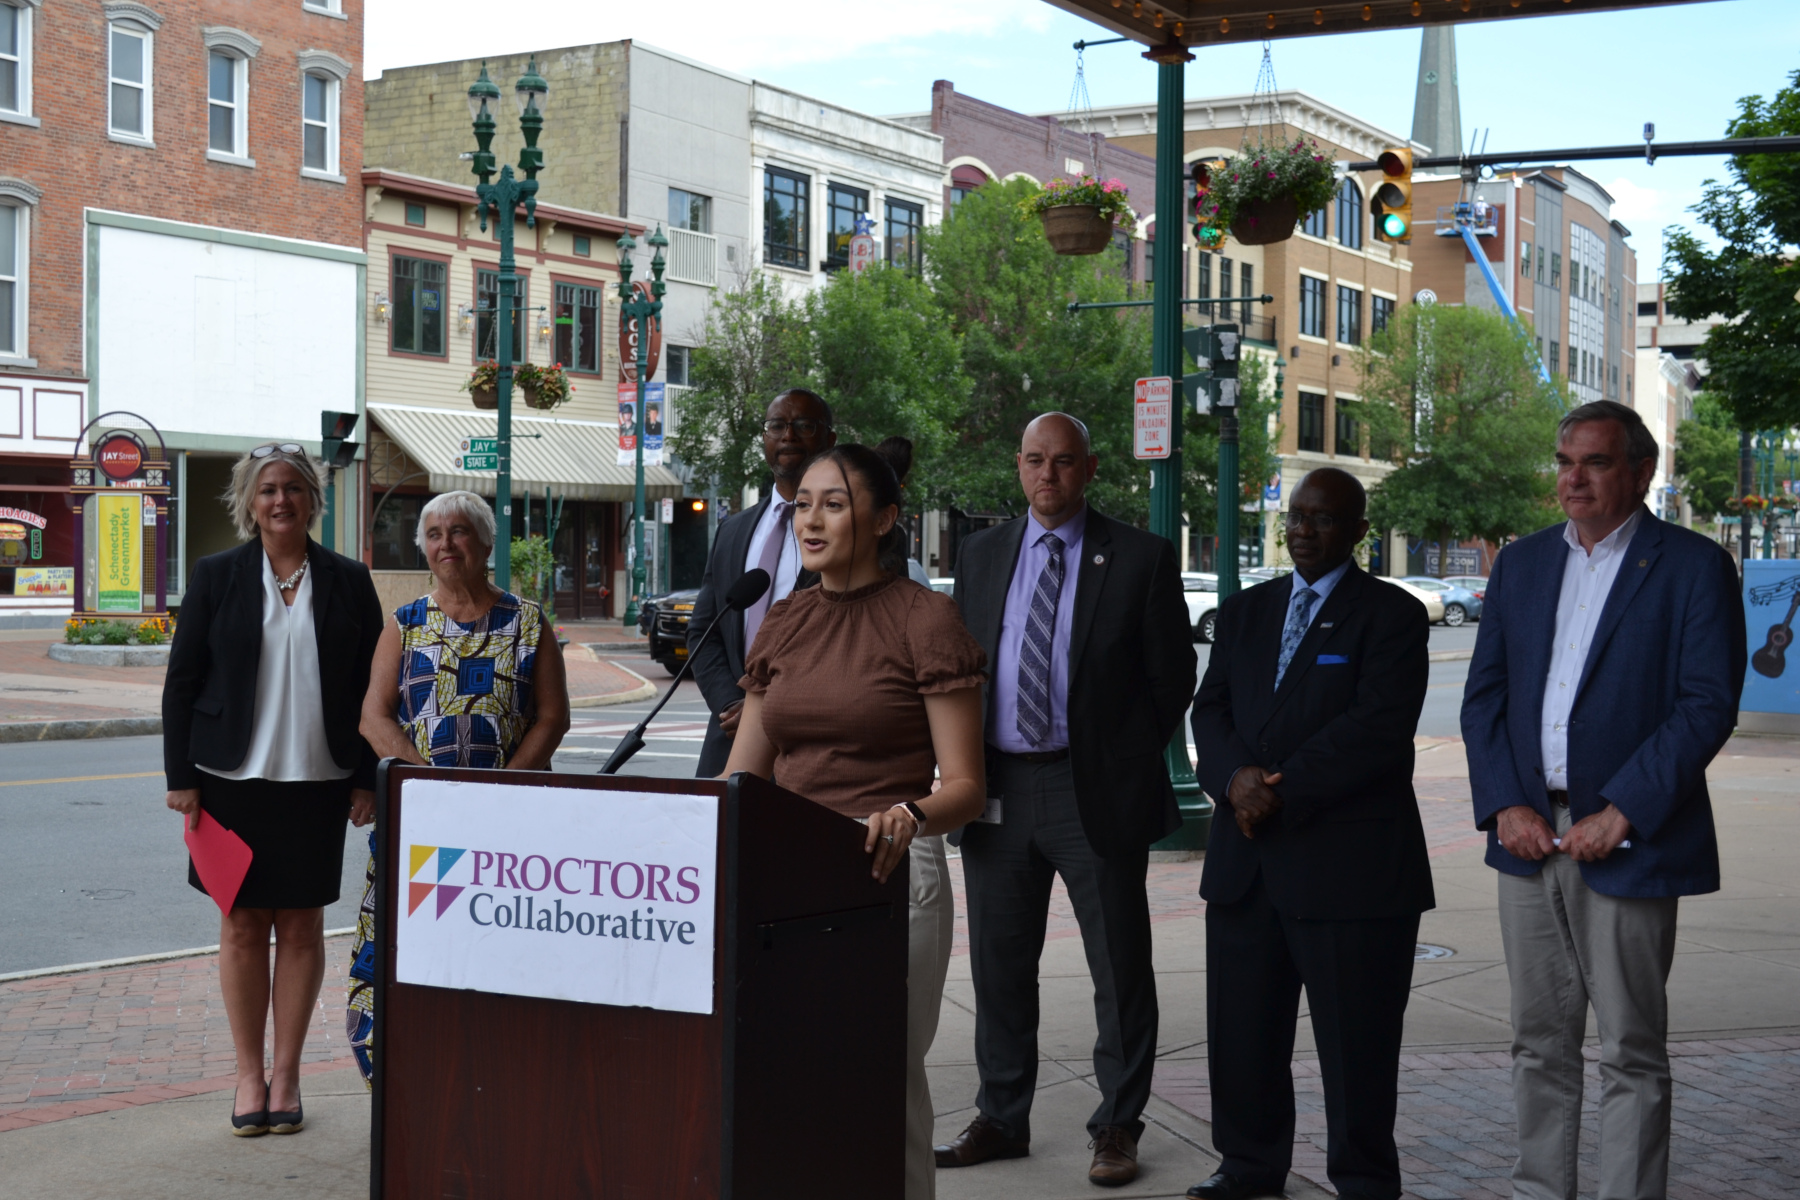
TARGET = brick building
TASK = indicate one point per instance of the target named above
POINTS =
(1333, 283)
(178, 239)
(984, 142)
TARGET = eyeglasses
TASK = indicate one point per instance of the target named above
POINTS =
(272, 447)
(801, 428)
(1319, 521)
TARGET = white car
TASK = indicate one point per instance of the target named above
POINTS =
(1434, 603)
(943, 583)
(1201, 591)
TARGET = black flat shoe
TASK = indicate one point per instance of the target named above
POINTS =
(1229, 1187)
(250, 1124)
(288, 1122)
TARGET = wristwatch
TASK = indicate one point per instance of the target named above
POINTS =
(916, 813)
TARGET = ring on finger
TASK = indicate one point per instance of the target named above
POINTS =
(888, 838)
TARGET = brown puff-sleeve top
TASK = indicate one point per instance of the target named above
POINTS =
(844, 676)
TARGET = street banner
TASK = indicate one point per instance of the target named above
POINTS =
(118, 569)
(1771, 599)
(600, 897)
(653, 424)
(1153, 407)
(862, 252)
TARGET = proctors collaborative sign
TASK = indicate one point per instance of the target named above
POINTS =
(601, 897)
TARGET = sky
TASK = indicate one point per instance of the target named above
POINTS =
(1539, 83)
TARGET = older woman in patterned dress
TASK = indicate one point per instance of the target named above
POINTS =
(468, 676)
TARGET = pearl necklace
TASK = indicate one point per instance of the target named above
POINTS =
(292, 581)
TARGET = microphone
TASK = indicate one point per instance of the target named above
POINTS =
(746, 591)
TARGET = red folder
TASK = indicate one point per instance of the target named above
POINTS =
(221, 859)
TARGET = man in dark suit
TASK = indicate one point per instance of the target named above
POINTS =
(1084, 622)
(796, 428)
(1605, 679)
(1316, 872)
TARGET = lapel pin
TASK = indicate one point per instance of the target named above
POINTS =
(1326, 624)
(1643, 562)
(1098, 559)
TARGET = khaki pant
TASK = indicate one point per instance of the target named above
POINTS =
(931, 925)
(1568, 946)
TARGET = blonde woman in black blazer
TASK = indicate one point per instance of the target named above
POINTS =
(260, 709)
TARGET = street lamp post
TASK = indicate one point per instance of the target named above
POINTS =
(503, 199)
(644, 312)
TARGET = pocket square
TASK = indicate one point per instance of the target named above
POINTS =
(1333, 660)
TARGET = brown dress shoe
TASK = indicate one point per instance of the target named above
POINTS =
(983, 1141)
(1115, 1157)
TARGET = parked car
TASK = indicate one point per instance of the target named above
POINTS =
(1475, 583)
(943, 583)
(1433, 602)
(664, 620)
(1256, 575)
(1460, 603)
(1201, 591)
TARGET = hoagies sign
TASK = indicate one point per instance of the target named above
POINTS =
(600, 897)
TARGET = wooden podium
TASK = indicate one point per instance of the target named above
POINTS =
(793, 1086)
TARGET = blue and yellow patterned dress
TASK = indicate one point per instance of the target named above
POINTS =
(466, 700)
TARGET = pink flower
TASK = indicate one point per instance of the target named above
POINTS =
(1271, 174)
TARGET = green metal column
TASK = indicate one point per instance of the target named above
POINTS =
(1166, 359)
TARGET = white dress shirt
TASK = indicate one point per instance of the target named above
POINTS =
(287, 732)
(788, 569)
(1587, 581)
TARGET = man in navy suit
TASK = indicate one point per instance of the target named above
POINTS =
(1316, 871)
(1605, 679)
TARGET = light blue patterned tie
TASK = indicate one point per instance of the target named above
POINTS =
(1299, 617)
(1034, 653)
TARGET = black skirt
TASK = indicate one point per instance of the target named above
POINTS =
(295, 832)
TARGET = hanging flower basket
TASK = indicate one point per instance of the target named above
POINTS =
(1079, 217)
(483, 385)
(1262, 222)
(1076, 229)
(1260, 193)
(544, 387)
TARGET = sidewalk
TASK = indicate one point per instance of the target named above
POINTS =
(117, 1082)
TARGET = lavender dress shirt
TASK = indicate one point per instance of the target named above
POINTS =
(1003, 696)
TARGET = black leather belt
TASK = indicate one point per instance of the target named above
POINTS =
(1559, 799)
(1034, 756)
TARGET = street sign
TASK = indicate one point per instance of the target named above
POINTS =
(1153, 405)
(862, 252)
(481, 445)
(668, 511)
(478, 462)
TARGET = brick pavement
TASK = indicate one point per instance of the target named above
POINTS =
(1736, 1127)
(71, 1045)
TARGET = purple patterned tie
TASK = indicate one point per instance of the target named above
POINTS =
(770, 560)
(1034, 651)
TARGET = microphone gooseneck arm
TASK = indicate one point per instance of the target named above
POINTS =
(745, 593)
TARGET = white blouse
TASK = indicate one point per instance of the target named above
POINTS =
(287, 732)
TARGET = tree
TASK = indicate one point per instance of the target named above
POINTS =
(1459, 384)
(1706, 459)
(756, 343)
(889, 363)
(1005, 294)
(1754, 359)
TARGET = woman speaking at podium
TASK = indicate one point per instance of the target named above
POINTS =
(855, 690)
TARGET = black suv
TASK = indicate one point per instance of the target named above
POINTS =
(664, 620)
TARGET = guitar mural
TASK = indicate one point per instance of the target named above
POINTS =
(1771, 660)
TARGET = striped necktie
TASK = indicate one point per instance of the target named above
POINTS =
(1034, 653)
(1299, 617)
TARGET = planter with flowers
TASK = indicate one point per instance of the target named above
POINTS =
(1079, 217)
(483, 385)
(544, 387)
(1261, 193)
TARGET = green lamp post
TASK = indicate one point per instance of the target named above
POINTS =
(643, 311)
(503, 200)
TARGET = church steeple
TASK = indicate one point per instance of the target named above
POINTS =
(1437, 115)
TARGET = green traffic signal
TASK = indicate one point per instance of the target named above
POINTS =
(1393, 226)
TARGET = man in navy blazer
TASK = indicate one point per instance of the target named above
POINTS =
(1606, 677)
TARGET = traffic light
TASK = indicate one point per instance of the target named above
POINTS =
(698, 506)
(1207, 233)
(337, 449)
(1392, 205)
(1214, 349)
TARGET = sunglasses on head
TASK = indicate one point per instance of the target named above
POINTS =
(272, 447)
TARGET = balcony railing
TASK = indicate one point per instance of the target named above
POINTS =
(693, 257)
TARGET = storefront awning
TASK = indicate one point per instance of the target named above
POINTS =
(575, 459)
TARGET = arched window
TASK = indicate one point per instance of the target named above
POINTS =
(1313, 223)
(1350, 215)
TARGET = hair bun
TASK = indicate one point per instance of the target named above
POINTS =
(897, 452)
